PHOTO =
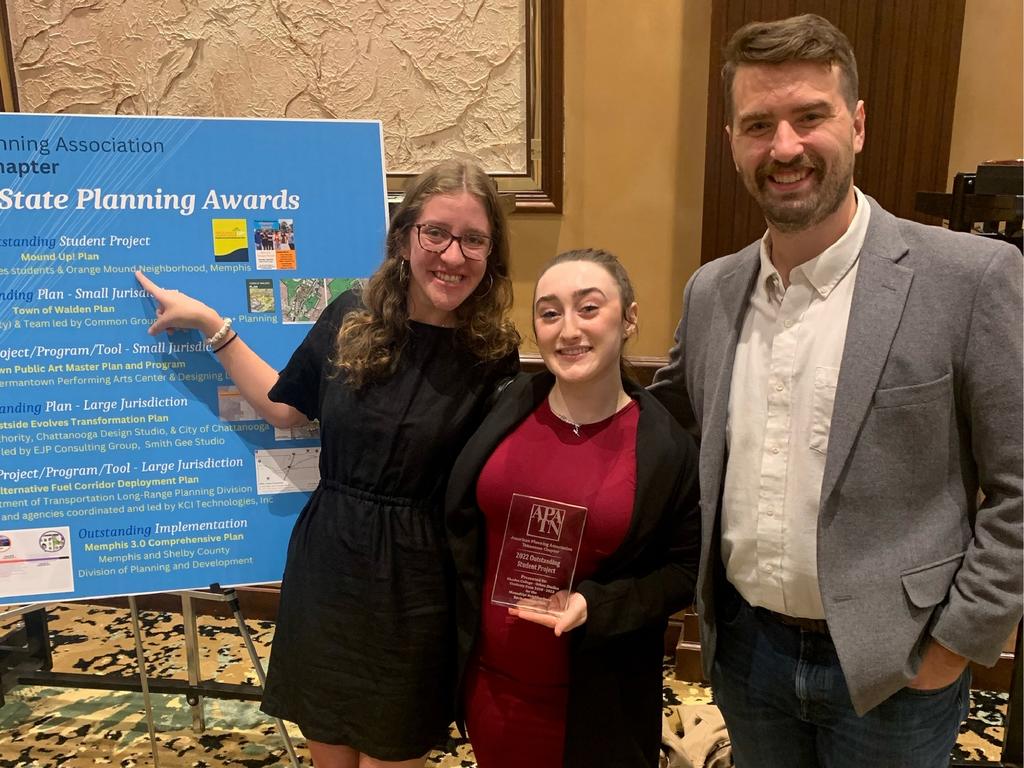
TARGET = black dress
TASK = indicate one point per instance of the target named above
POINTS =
(364, 650)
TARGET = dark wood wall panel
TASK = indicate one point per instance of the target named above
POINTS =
(908, 58)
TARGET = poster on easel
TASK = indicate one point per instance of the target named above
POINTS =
(129, 463)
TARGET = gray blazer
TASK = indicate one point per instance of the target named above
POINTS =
(927, 412)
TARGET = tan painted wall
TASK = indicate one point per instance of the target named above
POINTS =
(635, 115)
(988, 123)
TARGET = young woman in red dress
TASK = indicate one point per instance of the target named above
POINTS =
(582, 687)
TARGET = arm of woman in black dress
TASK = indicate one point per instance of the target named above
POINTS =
(253, 376)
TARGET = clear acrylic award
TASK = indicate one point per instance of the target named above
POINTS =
(538, 554)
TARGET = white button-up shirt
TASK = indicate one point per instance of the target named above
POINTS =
(780, 409)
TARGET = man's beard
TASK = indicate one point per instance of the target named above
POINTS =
(799, 211)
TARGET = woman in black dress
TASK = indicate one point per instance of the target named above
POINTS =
(398, 374)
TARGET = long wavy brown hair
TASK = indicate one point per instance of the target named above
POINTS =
(370, 341)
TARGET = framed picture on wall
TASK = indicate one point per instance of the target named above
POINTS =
(481, 79)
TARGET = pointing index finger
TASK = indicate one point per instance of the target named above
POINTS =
(146, 283)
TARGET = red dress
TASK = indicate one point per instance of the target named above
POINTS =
(517, 682)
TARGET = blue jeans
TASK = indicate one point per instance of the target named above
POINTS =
(786, 704)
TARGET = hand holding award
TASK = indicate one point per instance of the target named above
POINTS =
(571, 613)
(538, 554)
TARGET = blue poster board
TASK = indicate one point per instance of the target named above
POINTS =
(128, 463)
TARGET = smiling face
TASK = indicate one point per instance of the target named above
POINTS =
(794, 141)
(440, 282)
(580, 323)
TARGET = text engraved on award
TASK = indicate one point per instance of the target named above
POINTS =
(538, 553)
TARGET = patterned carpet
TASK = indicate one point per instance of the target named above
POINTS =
(46, 727)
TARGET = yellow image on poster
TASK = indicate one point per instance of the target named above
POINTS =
(230, 240)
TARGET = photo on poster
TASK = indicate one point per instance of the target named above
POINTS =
(274, 243)
(308, 431)
(260, 295)
(231, 406)
(230, 240)
(36, 561)
(303, 299)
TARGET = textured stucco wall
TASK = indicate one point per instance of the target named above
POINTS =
(445, 76)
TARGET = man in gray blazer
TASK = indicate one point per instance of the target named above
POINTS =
(855, 381)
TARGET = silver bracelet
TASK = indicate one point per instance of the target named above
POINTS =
(220, 334)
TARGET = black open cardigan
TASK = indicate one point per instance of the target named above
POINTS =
(615, 674)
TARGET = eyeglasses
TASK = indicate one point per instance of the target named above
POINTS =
(435, 239)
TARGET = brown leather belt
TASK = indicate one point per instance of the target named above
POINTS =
(817, 626)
